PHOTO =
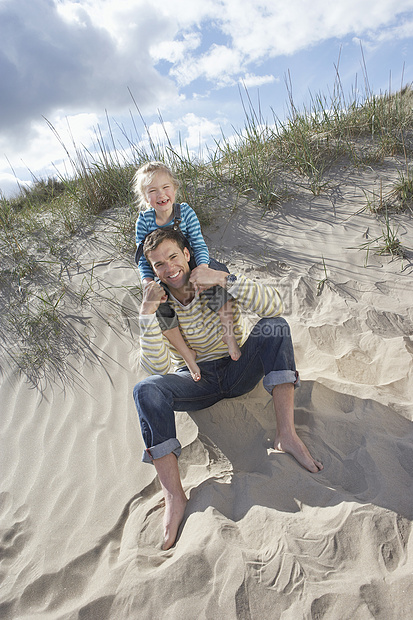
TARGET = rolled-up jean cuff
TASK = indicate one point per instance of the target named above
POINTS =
(162, 449)
(276, 377)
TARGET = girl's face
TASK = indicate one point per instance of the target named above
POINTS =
(160, 193)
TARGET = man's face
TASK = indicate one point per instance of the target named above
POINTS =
(170, 264)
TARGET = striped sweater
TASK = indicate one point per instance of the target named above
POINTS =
(201, 327)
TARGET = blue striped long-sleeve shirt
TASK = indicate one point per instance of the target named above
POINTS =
(190, 227)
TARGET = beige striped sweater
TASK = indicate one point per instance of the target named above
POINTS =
(201, 327)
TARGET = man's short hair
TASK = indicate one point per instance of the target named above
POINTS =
(162, 234)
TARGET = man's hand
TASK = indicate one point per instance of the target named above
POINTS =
(153, 295)
(203, 277)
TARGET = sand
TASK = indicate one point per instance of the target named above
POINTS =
(81, 516)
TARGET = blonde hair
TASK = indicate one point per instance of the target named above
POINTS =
(143, 178)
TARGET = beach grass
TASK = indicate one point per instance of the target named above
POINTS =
(263, 162)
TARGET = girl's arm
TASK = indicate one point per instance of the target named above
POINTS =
(191, 228)
(142, 230)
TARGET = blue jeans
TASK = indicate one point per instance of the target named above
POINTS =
(268, 352)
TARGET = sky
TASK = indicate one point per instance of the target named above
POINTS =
(74, 70)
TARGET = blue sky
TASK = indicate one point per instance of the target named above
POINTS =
(72, 62)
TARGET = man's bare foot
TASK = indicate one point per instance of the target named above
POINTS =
(233, 348)
(174, 514)
(294, 446)
(175, 498)
(192, 365)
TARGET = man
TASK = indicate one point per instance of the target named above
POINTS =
(266, 352)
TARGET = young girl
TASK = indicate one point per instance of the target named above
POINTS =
(155, 186)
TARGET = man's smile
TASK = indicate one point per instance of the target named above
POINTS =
(170, 264)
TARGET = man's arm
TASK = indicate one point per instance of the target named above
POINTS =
(154, 353)
(262, 299)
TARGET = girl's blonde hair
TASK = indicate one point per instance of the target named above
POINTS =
(143, 178)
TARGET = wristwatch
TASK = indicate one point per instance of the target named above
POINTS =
(231, 279)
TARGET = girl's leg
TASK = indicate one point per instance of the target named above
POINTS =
(220, 302)
(189, 355)
(168, 322)
(226, 317)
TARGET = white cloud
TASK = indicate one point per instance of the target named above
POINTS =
(402, 30)
(258, 31)
(188, 132)
(273, 28)
(72, 13)
(131, 24)
(46, 154)
(84, 54)
(76, 58)
(162, 133)
(199, 130)
(10, 184)
(218, 65)
(81, 57)
(189, 13)
(251, 80)
(46, 145)
(175, 51)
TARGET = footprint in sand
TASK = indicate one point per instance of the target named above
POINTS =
(355, 474)
(282, 572)
(337, 605)
(385, 600)
(393, 550)
(388, 324)
(14, 537)
(405, 455)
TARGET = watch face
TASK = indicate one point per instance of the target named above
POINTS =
(231, 279)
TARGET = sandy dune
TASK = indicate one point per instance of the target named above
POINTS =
(262, 538)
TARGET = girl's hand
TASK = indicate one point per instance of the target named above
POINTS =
(153, 296)
(203, 277)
